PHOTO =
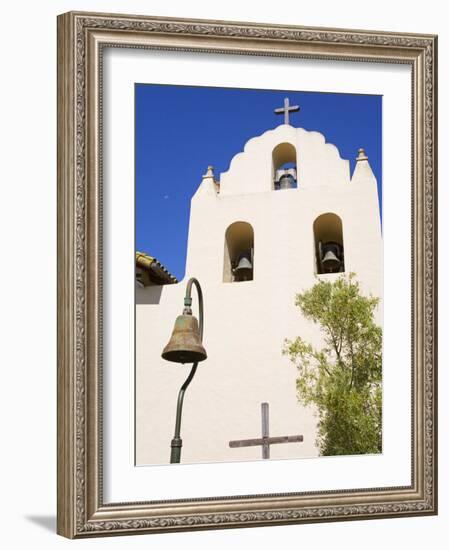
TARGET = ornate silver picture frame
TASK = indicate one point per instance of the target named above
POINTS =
(83, 510)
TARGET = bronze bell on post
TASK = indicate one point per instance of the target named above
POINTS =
(185, 344)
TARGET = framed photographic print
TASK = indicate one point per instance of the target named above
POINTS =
(247, 274)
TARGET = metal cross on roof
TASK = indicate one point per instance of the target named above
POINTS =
(265, 441)
(286, 109)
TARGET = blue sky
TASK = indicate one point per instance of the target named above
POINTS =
(180, 130)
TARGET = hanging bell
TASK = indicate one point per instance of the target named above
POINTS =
(185, 344)
(330, 261)
(287, 181)
(244, 269)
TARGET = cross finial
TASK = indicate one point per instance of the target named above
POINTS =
(286, 109)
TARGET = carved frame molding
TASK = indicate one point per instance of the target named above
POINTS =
(81, 39)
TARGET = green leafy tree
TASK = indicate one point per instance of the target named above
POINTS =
(343, 379)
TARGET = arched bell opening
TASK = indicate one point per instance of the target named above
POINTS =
(329, 246)
(285, 173)
(238, 262)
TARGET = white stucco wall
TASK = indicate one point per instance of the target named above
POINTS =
(246, 323)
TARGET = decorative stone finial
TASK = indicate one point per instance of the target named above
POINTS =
(209, 173)
(362, 155)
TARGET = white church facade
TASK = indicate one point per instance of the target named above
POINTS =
(285, 213)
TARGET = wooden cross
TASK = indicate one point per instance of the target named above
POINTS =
(265, 441)
(286, 109)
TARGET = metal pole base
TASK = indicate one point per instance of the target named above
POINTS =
(176, 446)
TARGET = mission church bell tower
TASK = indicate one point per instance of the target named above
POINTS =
(285, 213)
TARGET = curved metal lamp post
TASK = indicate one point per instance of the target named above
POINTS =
(185, 346)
